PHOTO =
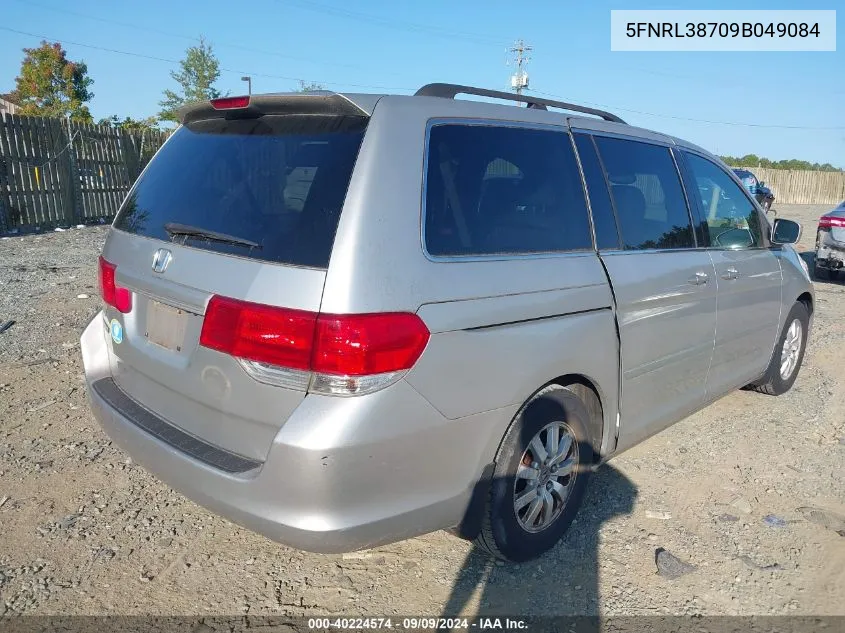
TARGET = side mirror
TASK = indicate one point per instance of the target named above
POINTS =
(785, 231)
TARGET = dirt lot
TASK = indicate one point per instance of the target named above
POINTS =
(83, 531)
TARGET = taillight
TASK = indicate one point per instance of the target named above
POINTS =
(112, 294)
(230, 103)
(338, 354)
(831, 222)
(364, 344)
(265, 334)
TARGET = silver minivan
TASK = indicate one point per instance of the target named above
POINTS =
(342, 320)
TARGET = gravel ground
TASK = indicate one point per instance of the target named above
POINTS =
(741, 499)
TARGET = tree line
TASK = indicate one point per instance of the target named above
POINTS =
(752, 160)
(51, 85)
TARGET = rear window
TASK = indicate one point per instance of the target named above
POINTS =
(503, 190)
(275, 183)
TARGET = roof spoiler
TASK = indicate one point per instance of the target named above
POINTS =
(315, 103)
(448, 91)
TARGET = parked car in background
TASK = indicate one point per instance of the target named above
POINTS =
(347, 320)
(830, 243)
(757, 188)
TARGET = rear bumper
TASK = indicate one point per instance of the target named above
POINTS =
(341, 474)
(830, 253)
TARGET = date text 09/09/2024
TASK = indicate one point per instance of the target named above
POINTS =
(721, 29)
(416, 624)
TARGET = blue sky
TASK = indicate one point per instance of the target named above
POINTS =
(373, 45)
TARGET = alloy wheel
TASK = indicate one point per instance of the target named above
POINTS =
(545, 477)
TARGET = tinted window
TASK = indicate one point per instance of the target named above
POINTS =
(731, 218)
(647, 191)
(604, 223)
(499, 190)
(276, 181)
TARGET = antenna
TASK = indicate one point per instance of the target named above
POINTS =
(519, 80)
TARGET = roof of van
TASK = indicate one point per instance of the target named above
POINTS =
(363, 104)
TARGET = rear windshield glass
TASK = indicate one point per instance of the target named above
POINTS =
(275, 185)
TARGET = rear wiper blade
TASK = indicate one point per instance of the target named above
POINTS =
(175, 228)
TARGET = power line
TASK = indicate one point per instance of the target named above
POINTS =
(712, 122)
(189, 38)
(413, 27)
(222, 69)
(323, 8)
(403, 89)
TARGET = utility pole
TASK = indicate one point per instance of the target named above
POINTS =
(519, 80)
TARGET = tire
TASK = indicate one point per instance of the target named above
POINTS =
(820, 272)
(510, 534)
(773, 382)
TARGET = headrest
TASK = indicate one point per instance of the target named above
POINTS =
(629, 200)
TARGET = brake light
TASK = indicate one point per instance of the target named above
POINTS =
(112, 294)
(265, 334)
(365, 344)
(230, 103)
(340, 354)
(831, 222)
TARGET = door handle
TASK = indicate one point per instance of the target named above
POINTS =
(730, 273)
(698, 279)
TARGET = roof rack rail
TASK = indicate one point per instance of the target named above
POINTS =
(448, 91)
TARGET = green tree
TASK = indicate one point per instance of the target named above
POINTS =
(50, 84)
(129, 124)
(310, 86)
(196, 77)
(752, 160)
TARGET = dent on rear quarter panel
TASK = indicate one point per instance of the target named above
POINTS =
(473, 370)
(495, 352)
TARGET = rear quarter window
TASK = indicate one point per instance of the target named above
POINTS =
(494, 190)
(276, 181)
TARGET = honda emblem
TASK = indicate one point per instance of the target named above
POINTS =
(161, 259)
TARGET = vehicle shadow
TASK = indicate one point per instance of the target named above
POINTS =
(565, 581)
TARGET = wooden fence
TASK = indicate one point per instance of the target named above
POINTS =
(803, 187)
(789, 186)
(59, 173)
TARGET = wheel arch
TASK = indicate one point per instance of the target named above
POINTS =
(807, 299)
(589, 392)
(591, 395)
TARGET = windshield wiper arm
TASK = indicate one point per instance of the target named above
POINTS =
(175, 228)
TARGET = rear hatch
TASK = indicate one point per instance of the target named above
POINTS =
(239, 203)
